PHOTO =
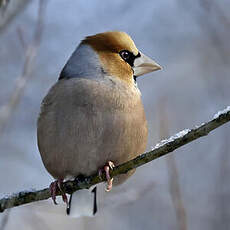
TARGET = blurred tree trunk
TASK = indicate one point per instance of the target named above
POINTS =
(173, 175)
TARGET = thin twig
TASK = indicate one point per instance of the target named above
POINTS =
(161, 149)
(9, 10)
(31, 52)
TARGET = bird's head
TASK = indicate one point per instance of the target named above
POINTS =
(117, 54)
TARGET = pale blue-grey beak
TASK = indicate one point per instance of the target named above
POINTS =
(144, 64)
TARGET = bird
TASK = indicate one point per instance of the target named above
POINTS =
(93, 117)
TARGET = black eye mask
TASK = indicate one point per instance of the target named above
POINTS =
(128, 57)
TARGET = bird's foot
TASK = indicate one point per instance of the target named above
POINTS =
(109, 166)
(54, 187)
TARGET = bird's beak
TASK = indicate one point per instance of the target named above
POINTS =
(144, 64)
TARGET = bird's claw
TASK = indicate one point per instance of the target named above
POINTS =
(109, 166)
(54, 187)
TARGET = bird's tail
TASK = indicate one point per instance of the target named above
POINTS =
(83, 203)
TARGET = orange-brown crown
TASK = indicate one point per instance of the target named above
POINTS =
(108, 45)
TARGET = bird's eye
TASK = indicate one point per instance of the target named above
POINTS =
(125, 54)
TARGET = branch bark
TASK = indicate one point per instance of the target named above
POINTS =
(161, 149)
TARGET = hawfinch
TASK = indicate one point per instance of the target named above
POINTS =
(93, 117)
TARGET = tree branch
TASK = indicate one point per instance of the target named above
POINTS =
(161, 149)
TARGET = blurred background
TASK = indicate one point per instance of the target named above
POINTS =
(188, 189)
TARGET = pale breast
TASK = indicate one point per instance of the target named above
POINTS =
(85, 123)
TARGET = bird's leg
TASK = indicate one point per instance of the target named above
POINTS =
(109, 179)
(53, 191)
(54, 186)
(109, 166)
